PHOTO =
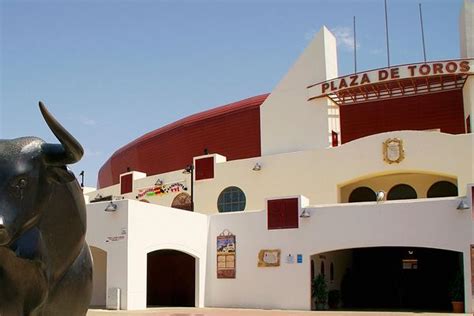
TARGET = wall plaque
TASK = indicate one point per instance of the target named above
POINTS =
(226, 255)
(393, 151)
(269, 258)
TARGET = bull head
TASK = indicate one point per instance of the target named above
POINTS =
(29, 168)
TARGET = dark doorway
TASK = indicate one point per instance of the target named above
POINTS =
(395, 278)
(170, 278)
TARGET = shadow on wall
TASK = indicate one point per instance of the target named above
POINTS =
(99, 292)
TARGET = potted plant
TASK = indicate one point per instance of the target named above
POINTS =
(456, 292)
(333, 298)
(320, 292)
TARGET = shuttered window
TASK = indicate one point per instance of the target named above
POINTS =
(205, 168)
(282, 213)
(126, 183)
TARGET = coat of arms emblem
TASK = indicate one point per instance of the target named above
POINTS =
(393, 150)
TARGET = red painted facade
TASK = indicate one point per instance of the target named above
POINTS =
(231, 130)
(443, 110)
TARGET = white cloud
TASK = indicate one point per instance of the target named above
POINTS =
(92, 153)
(344, 37)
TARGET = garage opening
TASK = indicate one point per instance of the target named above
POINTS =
(387, 278)
(171, 279)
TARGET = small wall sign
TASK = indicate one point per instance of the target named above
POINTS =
(290, 259)
(299, 258)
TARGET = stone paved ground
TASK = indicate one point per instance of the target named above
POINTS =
(249, 312)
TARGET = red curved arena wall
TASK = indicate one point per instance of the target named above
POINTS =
(443, 110)
(232, 130)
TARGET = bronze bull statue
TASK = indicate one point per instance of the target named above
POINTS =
(45, 262)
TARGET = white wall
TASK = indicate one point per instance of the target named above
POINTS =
(288, 103)
(434, 223)
(466, 29)
(154, 227)
(145, 228)
(101, 225)
(318, 174)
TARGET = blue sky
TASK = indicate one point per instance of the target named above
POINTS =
(111, 71)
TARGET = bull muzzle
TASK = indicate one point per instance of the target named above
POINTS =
(4, 235)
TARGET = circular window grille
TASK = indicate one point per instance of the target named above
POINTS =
(231, 199)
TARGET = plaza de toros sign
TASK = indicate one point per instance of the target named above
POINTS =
(441, 68)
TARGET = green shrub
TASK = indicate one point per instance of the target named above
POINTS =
(320, 291)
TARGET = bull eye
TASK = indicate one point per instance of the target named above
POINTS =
(22, 183)
(18, 187)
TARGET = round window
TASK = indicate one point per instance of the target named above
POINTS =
(231, 199)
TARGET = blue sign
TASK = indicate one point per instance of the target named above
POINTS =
(299, 258)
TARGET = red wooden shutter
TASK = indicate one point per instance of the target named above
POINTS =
(204, 168)
(126, 183)
(282, 213)
(290, 212)
(274, 214)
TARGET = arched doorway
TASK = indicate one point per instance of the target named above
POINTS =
(182, 201)
(99, 290)
(392, 278)
(171, 278)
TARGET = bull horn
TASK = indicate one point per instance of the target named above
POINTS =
(69, 151)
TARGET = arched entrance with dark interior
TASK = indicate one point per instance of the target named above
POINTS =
(389, 278)
(171, 278)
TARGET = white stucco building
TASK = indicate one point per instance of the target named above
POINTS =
(364, 178)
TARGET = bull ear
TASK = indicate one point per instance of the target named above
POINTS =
(69, 151)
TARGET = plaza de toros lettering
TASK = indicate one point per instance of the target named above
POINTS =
(452, 67)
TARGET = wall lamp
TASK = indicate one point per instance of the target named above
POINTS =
(111, 207)
(190, 170)
(463, 205)
(305, 214)
(257, 167)
(380, 196)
